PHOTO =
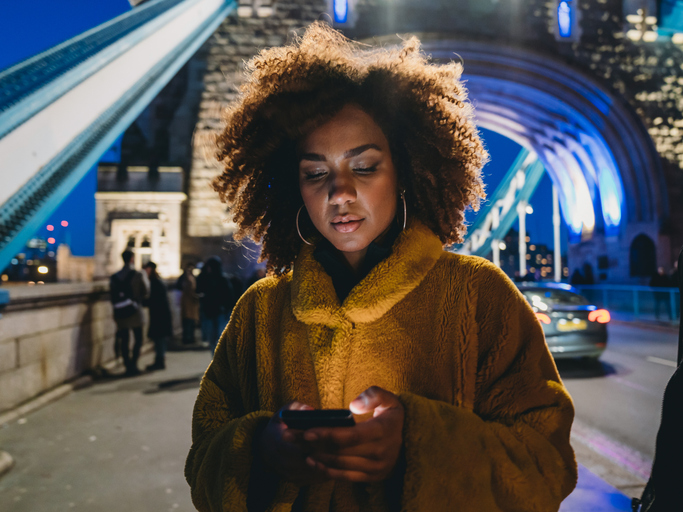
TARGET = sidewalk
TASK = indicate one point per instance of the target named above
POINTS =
(121, 444)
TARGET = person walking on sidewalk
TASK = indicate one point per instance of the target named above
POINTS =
(661, 280)
(189, 304)
(160, 328)
(128, 288)
(354, 167)
(216, 298)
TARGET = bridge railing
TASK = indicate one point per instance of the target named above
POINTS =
(635, 302)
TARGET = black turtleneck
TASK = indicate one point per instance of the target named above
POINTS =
(344, 278)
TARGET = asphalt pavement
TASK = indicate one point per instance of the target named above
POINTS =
(120, 444)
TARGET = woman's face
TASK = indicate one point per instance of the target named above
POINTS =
(348, 181)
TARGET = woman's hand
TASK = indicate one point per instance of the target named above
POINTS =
(284, 452)
(366, 452)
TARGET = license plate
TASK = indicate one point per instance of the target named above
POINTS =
(580, 325)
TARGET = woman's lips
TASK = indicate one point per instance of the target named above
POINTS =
(346, 224)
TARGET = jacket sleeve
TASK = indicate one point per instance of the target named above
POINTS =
(510, 451)
(224, 421)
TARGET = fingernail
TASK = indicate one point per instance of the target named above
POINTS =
(310, 436)
(360, 400)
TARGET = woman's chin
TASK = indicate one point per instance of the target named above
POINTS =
(349, 242)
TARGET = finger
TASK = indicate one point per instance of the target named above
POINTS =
(290, 435)
(346, 462)
(297, 406)
(374, 399)
(342, 474)
(344, 437)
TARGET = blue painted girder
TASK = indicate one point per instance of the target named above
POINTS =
(47, 76)
(533, 173)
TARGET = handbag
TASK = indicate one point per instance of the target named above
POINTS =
(121, 296)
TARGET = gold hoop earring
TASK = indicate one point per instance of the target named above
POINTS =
(297, 226)
(405, 209)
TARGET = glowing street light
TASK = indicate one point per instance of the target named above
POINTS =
(43, 270)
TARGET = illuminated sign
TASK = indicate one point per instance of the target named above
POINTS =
(564, 19)
(341, 10)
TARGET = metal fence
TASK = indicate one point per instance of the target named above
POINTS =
(641, 302)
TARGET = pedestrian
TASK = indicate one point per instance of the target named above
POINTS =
(189, 304)
(577, 278)
(588, 277)
(661, 280)
(674, 276)
(216, 299)
(354, 166)
(160, 328)
(128, 288)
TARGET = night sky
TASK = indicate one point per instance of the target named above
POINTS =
(31, 26)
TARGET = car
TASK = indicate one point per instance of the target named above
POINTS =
(573, 327)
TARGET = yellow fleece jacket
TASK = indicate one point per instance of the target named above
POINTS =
(487, 419)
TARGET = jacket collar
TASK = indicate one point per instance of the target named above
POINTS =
(314, 300)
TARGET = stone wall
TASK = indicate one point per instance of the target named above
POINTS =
(52, 333)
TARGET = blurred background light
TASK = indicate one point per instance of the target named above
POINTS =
(341, 11)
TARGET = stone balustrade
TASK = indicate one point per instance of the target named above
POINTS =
(52, 333)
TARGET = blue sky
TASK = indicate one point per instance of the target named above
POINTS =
(29, 27)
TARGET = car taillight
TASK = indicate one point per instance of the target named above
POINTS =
(543, 318)
(601, 316)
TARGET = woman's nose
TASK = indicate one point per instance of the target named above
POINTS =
(342, 191)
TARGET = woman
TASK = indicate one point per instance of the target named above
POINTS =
(354, 168)
(160, 323)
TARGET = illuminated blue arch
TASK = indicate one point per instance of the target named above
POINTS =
(594, 147)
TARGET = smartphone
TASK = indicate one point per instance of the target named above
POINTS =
(302, 420)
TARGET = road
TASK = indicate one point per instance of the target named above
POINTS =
(618, 401)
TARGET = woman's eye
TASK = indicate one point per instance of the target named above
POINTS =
(314, 175)
(365, 170)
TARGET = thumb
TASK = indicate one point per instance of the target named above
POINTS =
(373, 399)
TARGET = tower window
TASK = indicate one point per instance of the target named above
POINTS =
(564, 19)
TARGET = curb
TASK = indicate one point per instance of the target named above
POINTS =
(655, 326)
(6, 462)
(623, 468)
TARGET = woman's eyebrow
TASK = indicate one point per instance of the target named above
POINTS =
(315, 157)
(360, 149)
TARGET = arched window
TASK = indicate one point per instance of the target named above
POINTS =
(643, 257)
(567, 28)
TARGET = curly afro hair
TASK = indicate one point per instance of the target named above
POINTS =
(422, 108)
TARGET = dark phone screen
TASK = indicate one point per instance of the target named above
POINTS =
(317, 418)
